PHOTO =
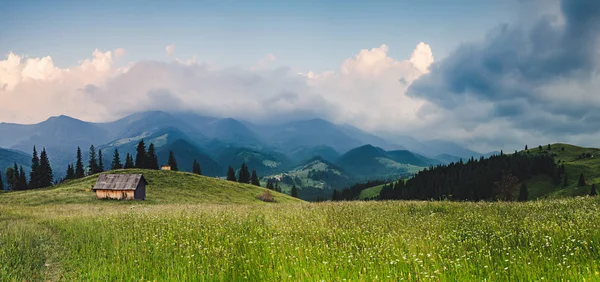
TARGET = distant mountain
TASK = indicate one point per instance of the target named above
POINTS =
(226, 130)
(310, 133)
(315, 179)
(264, 162)
(142, 124)
(438, 146)
(446, 159)
(185, 153)
(303, 154)
(373, 162)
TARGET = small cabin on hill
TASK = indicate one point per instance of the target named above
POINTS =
(165, 167)
(121, 187)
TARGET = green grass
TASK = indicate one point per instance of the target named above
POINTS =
(552, 240)
(370, 193)
(163, 187)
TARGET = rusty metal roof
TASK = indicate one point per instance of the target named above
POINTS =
(118, 181)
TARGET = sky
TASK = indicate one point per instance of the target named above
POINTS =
(487, 74)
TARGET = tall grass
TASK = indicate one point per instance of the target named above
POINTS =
(360, 241)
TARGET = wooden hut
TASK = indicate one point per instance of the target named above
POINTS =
(121, 187)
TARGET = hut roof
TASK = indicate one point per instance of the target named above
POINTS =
(118, 181)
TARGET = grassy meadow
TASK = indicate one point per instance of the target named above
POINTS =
(355, 241)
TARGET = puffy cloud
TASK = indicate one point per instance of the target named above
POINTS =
(536, 80)
(170, 49)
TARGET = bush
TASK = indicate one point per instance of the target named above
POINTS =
(266, 197)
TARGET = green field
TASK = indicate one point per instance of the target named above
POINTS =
(195, 235)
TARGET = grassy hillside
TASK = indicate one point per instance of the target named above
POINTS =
(548, 240)
(164, 187)
(577, 160)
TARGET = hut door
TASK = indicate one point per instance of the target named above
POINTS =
(124, 195)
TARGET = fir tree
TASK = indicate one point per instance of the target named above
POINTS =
(540, 148)
(35, 175)
(22, 184)
(231, 174)
(523, 193)
(334, 195)
(92, 161)
(581, 181)
(172, 161)
(270, 184)
(525, 147)
(79, 172)
(70, 172)
(196, 168)
(129, 161)
(593, 190)
(277, 187)
(12, 178)
(244, 176)
(140, 158)
(151, 157)
(566, 180)
(46, 177)
(254, 180)
(294, 192)
(548, 148)
(100, 162)
(116, 162)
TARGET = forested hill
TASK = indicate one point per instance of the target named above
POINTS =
(497, 177)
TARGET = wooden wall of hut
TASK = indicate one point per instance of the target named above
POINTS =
(115, 194)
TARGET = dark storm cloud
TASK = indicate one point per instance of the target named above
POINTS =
(514, 65)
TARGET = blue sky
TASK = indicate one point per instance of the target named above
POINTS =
(305, 35)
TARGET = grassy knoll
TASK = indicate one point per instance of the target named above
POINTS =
(163, 187)
(360, 241)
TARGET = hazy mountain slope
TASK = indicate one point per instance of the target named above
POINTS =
(264, 162)
(185, 153)
(303, 154)
(372, 162)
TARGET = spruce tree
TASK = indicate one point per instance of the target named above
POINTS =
(141, 157)
(525, 147)
(231, 174)
(269, 184)
(294, 192)
(129, 161)
(79, 172)
(100, 162)
(46, 177)
(566, 180)
(254, 180)
(244, 176)
(581, 181)
(151, 157)
(92, 162)
(523, 193)
(12, 177)
(196, 168)
(22, 182)
(172, 162)
(35, 175)
(334, 195)
(593, 190)
(116, 162)
(70, 172)
(549, 148)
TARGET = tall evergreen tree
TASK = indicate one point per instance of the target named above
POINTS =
(12, 178)
(151, 157)
(334, 195)
(581, 181)
(79, 172)
(525, 147)
(116, 162)
(231, 174)
(70, 172)
(46, 177)
(548, 148)
(270, 185)
(92, 161)
(294, 192)
(593, 190)
(35, 175)
(100, 162)
(523, 193)
(172, 162)
(22, 182)
(244, 176)
(129, 161)
(196, 168)
(254, 179)
(141, 157)
(566, 180)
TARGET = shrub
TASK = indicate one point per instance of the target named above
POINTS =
(266, 197)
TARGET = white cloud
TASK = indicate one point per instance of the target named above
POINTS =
(170, 49)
